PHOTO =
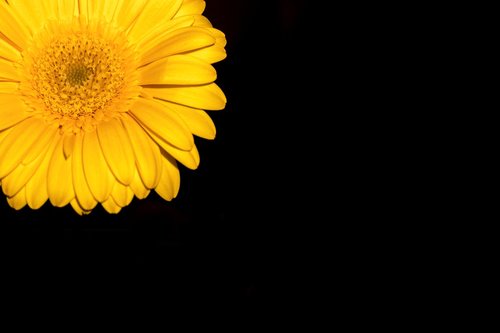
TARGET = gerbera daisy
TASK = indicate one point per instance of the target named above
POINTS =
(99, 99)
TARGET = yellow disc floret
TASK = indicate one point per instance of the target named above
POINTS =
(79, 77)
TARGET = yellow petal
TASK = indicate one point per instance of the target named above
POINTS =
(177, 41)
(13, 27)
(36, 188)
(191, 7)
(219, 36)
(170, 180)
(50, 9)
(16, 145)
(99, 9)
(190, 159)
(82, 10)
(34, 13)
(153, 12)
(60, 178)
(66, 9)
(69, 144)
(147, 154)
(177, 69)
(128, 11)
(12, 110)
(117, 150)
(14, 181)
(206, 97)
(8, 51)
(40, 145)
(8, 71)
(122, 195)
(163, 28)
(167, 125)
(3, 134)
(99, 177)
(83, 195)
(19, 200)
(20, 176)
(111, 206)
(200, 21)
(213, 53)
(130, 195)
(198, 121)
(78, 209)
(138, 187)
(8, 87)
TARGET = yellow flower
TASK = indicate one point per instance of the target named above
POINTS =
(99, 99)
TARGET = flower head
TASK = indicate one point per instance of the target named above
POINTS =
(99, 100)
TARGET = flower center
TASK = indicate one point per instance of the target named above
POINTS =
(77, 74)
(79, 78)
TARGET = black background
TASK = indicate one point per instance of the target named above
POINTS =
(224, 235)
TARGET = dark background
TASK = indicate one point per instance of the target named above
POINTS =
(225, 233)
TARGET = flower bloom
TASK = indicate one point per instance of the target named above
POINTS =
(100, 99)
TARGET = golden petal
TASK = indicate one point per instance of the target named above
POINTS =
(97, 173)
(16, 145)
(59, 178)
(90, 9)
(213, 53)
(65, 9)
(170, 180)
(191, 7)
(69, 144)
(190, 159)
(78, 209)
(177, 70)
(151, 15)
(36, 188)
(13, 27)
(8, 71)
(20, 176)
(138, 187)
(201, 21)
(163, 28)
(8, 51)
(176, 42)
(8, 87)
(12, 110)
(82, 192)
(164, 123)
(121, 195)
(128, 11)
(111, 206)
(198, 121)
(18, 201)
(147, 153)
(117, 150)
(47, 136)
(206, 97)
